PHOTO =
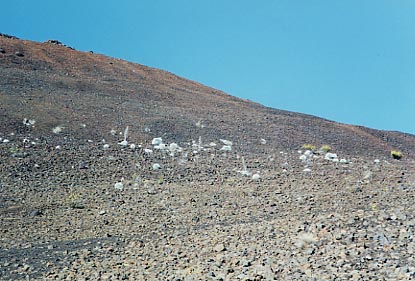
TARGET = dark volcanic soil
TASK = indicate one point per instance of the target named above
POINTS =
(75, 204)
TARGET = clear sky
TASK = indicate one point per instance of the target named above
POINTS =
(349, 61)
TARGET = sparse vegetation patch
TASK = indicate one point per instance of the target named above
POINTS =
(396, 154)
(325, 148)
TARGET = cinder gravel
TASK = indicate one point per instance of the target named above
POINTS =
(199, 218)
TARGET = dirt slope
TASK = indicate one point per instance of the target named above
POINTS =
(57, 85)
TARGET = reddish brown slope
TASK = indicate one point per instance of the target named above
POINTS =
(56, 85)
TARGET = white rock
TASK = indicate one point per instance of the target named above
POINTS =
(157, 141)
(330, 156)
(57, 129)
(306, 238)
(303, 157)
(226, 148)
(344, 161)
(106, 146)
(199, 124)
(212, 144)
(160, 146)
(174, 147)
(263, 141)
(367, 174)
(156, 166)
(29, 122)
(377, 161)
(123, 143)
(148, 151)
(307, 170)
(226, 142)
(308, 153)
(256, 177)
(58, 147)
(245, 173)
(119, 185)
(113, 132)
(132, 146)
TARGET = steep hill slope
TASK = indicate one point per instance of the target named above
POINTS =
(56, 85)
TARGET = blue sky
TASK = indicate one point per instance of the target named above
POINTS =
(348, 61)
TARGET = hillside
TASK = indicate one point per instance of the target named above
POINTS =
(111, 170)
(57, 85)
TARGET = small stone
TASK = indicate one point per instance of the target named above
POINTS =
(367, 175)
(256, 177)
(102, 212)
(246, 263)
(106, 276)
(243, 276)
(211, 274)
(36, 213)
(355, 276)
(119, 185)
(219, 248)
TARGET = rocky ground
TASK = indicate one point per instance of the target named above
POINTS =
(83, 199)
(74, 209)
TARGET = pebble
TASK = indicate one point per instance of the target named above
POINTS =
(219, 248)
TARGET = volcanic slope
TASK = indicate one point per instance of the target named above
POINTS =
(59, 86)
(201, 186)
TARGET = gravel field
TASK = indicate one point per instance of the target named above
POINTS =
(200, 218)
